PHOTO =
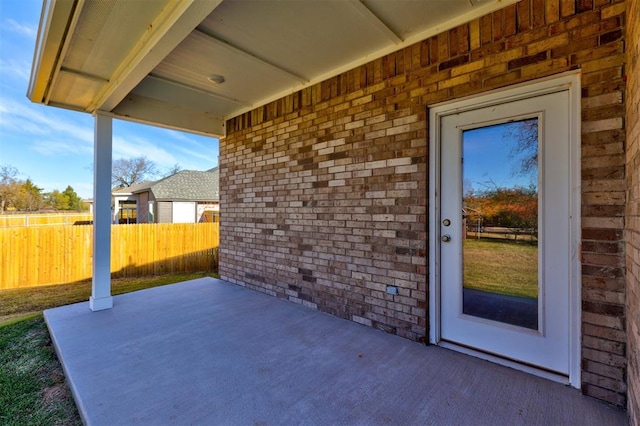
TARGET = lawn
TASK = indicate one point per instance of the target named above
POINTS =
(499, 266)
(33, 390)
(23, 302)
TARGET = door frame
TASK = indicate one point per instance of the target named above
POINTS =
(569, 81)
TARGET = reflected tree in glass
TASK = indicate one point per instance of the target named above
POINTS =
(500, 216)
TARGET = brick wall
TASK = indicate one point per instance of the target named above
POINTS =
(324, 191)
(633, 208)
(328, 207)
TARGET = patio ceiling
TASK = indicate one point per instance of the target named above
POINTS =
(154, 61)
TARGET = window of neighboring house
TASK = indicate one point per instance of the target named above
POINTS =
(150, 217)
(127, 212)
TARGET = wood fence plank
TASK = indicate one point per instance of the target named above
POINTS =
(56, 254)
(39, 219)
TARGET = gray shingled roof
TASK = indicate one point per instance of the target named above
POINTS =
(188, 185)
(133, 188)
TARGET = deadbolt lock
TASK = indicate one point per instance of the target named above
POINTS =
(446, 222)
(446, 238)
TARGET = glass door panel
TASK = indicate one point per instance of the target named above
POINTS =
(500, 223)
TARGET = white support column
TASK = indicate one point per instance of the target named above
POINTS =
(101, 285)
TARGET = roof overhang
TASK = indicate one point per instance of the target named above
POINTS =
(160, 62)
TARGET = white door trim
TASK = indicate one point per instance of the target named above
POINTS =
(569, 81)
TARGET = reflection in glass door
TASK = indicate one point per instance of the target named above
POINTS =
(500, 223)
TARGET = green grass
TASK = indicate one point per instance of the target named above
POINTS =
(502, 267)
(33, 390)
(22, 302)
(32, 385)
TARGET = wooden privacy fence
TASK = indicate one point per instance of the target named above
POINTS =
(38, 219)
(44, 255)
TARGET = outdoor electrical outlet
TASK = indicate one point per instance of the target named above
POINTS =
(392, 289)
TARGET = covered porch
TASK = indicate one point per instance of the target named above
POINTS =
(209, 352)
(322, 110)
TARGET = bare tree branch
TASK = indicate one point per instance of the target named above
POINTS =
(9, 186)
(130, 171)
(525, 135)
(172, 170)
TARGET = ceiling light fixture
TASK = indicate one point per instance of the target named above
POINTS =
(216, 79)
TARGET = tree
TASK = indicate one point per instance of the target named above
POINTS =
(57, 200)
(65, 200)
(30, 197)
(27, 196)
(173, 170)
(525, 150)
(9, 186)
(515, 208)
(129, 171)
(75, 202)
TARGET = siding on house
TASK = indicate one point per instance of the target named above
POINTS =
(165, 211)
(327, 187)
(633, 209)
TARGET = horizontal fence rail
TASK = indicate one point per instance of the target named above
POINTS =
(45, 255)
(36, 219)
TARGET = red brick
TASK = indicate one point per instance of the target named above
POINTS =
(337, 222)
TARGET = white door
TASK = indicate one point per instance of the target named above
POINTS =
(504, 230)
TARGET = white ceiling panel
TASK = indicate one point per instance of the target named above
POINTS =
(246, 78)
(73, 90)
(409, 17)
(150, 61)
(151, 111)
(181, 95)
(308, 38)
(101, 37)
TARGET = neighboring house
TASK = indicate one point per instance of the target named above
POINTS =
(188, 196)
(89, 203)
(341, 125)
(125, 203)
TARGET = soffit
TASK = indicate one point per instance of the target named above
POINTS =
(150, 61)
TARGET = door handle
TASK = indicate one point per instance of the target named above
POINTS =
(446, 238)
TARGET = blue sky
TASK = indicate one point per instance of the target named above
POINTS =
(489, 160)
(54, 147)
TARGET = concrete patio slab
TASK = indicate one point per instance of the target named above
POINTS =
(206, 352)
